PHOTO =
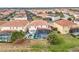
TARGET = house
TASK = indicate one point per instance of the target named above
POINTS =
(5, 36)
(64, 26)
(7, 27)
(76, 21)
(16, 25)
(38, 29)
(20, 18)
(20, 15)
(75, 31)
(54, 18)
(76, 14)
(66, 16)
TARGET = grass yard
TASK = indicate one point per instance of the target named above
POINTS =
(39, 46)
(68, 43)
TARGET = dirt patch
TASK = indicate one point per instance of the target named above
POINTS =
(22, 41)
(38, 42)
(76, 49)
(16, 46)
(22, 45)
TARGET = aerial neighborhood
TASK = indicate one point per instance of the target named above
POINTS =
(39, 23)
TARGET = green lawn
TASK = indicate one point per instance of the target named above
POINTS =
(68, 43)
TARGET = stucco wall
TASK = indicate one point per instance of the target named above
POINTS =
(61, 29)
(32, 29)
(13, 28)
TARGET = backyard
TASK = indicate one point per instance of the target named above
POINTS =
(68, 42)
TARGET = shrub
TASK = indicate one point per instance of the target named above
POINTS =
(55, 29)
(70, 19)
(58, 31)
(54, 39)
(17, 35)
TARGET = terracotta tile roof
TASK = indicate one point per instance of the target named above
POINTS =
(65, 22)
(15, 23)
(2, 22)
(38, 22)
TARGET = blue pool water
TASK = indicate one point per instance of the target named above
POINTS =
(40, 34)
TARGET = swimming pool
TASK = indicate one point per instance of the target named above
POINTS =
(41, 34)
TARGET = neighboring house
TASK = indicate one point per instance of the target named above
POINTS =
(66, 16)
(64, 26)
(20, 18)
(16, 25)
(76, 14)
(5, 36)
(53, 16)
(38, 29)
(7, 27)
(75, 31)
(76, 21)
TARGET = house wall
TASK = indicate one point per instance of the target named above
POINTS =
(77, 22)
(20, 18)
(13, 28)
(39, 26)
(61, 29)
(32, 29)
(55, 18)
(76, 15)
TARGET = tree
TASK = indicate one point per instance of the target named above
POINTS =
(72, 16)
(69, 19)
(57, 13)
(36, 17)
(17, 35)
(50, 12)
(61, 14)
(54, 38)
(47, 19)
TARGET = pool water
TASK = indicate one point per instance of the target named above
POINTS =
(41, 34)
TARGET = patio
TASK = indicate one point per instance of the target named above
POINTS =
(5, 36)
(39, 34)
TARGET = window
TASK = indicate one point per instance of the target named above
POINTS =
(39, 26)
(14, 27)
(44, 26)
